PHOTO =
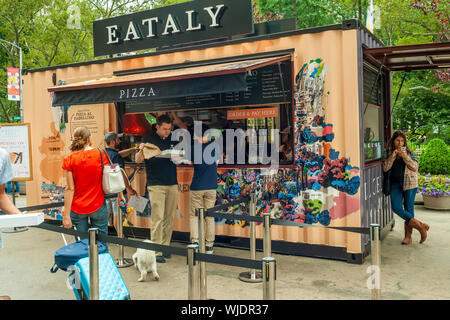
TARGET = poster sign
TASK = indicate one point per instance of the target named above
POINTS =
(252, 113)
(13, 84)
(182, 23)
(16, 139)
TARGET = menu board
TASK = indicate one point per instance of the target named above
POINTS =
(270, 84)
(15, 138)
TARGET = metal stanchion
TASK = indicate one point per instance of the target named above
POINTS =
(376, 260)
(202, 244)
(93, 265)
(121, 262)
(252, 275)
(193, 286)
(269, 277)
(267, 235)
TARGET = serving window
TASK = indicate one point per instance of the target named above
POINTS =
(249, 135)
(374, 104)
(262, 112)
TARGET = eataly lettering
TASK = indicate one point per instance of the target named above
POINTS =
(171, 25)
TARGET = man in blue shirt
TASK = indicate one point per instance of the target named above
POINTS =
(112, 142)
(205, 155)
(6, 205)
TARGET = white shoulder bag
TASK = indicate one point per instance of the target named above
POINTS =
(112, 178)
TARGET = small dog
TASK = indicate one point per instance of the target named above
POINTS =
(145, 261)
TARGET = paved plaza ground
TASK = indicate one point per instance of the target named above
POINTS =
(417, 271)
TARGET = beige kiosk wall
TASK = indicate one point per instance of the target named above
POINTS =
(51, 140)
(338, 50)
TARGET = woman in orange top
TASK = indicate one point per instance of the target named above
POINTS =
(84, 198)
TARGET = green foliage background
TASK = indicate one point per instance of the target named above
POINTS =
(436, 158)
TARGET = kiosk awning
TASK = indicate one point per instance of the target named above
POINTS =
(411, 57)
(181, 82)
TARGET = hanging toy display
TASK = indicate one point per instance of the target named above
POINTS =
(127, 211)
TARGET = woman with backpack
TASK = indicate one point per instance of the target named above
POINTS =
(84, 199)
(401, 165)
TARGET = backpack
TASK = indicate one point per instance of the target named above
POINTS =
(69, 255)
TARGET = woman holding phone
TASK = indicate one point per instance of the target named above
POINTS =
(403, 179)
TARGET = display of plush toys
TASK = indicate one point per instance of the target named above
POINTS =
(277, 194)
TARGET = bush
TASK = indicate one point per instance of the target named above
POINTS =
(435, 159)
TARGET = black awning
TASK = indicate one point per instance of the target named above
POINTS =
(162, 85)
(152, 90)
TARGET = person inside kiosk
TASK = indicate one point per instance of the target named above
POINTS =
(246, 136)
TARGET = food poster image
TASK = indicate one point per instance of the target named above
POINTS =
(55, 145)
(51, 149)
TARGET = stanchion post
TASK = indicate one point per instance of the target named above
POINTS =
(252, 275)
(202, 243)
(267, 235)
(93, 264)
(121, 262)
(269, 277)
(376, 260)
(193, 285)
(252, 212)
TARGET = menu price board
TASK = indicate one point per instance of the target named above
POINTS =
(270, 84)
(16, 139)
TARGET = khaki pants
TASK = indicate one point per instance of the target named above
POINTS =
(164, 200)
(206, 199)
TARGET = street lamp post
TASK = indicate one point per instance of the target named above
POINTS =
(20, 75)
(17, 229)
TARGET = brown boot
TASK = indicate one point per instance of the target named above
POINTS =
(416, 224)
(408, 234)
(427, 227)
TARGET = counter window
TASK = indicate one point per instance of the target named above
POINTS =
(251, 135)
(374, 103)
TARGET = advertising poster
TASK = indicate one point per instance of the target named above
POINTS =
(13, 83)
(15, 138)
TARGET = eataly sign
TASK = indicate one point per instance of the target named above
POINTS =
(186, 22)
(171, 25)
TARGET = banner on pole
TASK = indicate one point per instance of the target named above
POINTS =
(13, 83)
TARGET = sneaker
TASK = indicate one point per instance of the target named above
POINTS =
(209, 250)
(160, 259)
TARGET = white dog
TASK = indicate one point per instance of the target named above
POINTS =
(145, 261)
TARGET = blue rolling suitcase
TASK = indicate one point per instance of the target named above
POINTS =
(111, 284)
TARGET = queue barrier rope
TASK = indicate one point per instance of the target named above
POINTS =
(227, 205)
(230, 216)
(224, 260)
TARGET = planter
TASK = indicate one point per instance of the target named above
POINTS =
(441, 203)
(418, 199)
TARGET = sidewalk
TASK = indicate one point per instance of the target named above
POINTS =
(417, 271)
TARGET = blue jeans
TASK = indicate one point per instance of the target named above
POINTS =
(97, 219)
(402, 202)
(9, 186)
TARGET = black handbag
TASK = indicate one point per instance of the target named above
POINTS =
(387, 182)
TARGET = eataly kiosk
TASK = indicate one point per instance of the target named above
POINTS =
(212, 64)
